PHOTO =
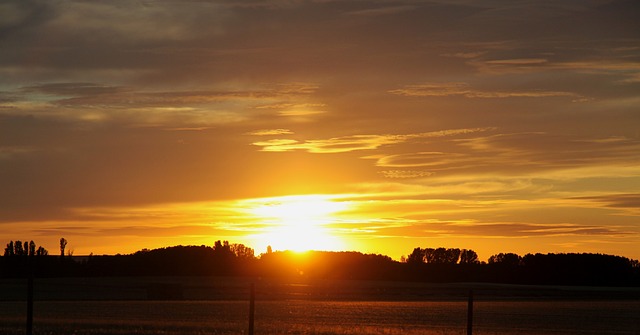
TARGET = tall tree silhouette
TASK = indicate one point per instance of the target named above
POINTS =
(9, 251)
(63, 245)
(32, 248)
(17, 247)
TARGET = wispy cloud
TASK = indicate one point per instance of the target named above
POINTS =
(186, 108)
(518, 61)
(629, 203)
(435, 160)
(522, 229)
(405, 174)
(464, 90)
(530, 155)
(356, 142)
(299, 112)
(270, 132)
(620, 67)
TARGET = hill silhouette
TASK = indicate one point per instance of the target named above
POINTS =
(438, 265)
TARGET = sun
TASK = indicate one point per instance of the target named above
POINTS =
(297, 223)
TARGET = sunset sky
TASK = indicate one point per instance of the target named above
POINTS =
(367, 125)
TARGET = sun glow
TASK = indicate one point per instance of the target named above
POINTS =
(297, 223)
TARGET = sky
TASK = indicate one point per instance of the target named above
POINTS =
(368, 125)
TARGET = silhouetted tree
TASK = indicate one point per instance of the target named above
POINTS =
(416, 256)
(452, 256)
(509, 259)
(18, 250)
(221, 246)
(241, 251)
(32, 248)
(468, 256)
(434, 256)
(439, 256)
(9, 250)
(442, 255)
(42, 251)
(19, 259)
(63, 245)
(429, 255)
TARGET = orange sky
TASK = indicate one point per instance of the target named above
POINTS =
(376, 126)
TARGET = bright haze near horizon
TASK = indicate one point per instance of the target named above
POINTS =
(374, 126)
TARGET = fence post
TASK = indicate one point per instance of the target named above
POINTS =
(470, 313)
(30, 301)
(252, 303)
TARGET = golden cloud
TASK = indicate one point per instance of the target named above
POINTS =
(356, 142)
(270, 132)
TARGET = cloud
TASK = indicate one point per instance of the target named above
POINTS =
(456, 195)
(628, 202)
(435, 160)
(522, 153)
(466, 228)
(405, 174)
(517, 61)
(514, 165)
(464, 90)
(271, 132)
(522, 229)
(355, 142)
(299, 112)
(547, 151)
(178, 109)
(620, 67)
(73, 89)
(135, 21)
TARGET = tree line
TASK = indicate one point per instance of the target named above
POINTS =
(442, 256)
(422, 264)
(18, 248)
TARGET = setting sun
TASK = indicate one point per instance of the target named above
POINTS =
(296, 223)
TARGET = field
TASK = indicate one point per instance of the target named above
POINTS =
(220, 306)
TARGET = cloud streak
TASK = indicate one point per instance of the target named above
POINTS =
(464, 90)
(355, 142)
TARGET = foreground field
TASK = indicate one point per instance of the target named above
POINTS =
(323, 317)
(220, 306)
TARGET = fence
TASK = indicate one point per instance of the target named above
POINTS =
(236, 306)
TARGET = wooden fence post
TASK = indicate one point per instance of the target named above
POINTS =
(470, 313)
(30, 302)
(252, 305)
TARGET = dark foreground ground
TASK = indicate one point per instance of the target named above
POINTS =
(237, 288)
(202, 305)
